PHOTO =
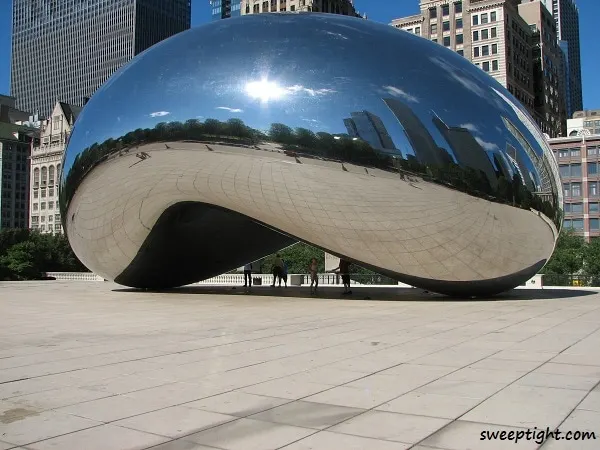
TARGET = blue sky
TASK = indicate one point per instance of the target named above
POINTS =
(380, 11)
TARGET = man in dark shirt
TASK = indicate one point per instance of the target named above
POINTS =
(345, 273)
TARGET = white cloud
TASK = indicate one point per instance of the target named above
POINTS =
(233, 110)
(471, 127)
(159, 114)
(312, 92)
(397, 92)
(486, 145)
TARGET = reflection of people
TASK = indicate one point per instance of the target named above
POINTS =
(277, 269)
(313, 267)
(344, 268)
(248, 275)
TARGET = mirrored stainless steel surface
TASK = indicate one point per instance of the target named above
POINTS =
(235, 139)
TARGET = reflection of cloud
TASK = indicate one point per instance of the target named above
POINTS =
(159, 114)
(233, 110)
(467, 80)
(486, 145)
(397, 92)
(310, 120)
(312, 92)
(471, 127)
(340, 35)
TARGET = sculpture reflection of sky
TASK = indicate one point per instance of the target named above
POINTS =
(303, 70)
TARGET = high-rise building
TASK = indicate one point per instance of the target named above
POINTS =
(46, 157)
(15, 147)
(371, 129)
(548, 68)
(65, 50)
(493, 36)
(223, 9)
(579, 171)
(345, 7)
(566, 17)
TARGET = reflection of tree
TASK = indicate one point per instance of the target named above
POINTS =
(306, 143)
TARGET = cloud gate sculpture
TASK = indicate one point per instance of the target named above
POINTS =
(238, 138)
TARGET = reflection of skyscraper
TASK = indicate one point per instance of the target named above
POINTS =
(520, 167)
(502, 165)
(424, 147)
(370, 128)
(466, 149)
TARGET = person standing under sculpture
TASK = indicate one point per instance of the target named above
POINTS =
(277, 269)
(284, 273)
(344, 268)
(248, 275)
(313, 268)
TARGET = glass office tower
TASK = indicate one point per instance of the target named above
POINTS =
(222, 9)
(66, 49)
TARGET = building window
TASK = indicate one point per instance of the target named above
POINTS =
(486, 66)
(594, 224)
(461, 52)
(493, 16)
(576, 152)
(494, 32)
(43, 207)
(36, 177)
(433, 13)
(433, 28)
(36, 194)
(445, 10)
(575, 170)
(494, 49)
(578, 224)
(418, 31)
(446, 26)
(434, 40)
(567, 208)
(459, 39)
(485, 34)
(592, 151)
(35, 206)
(593, 189)
(563, 154)
(475, 35)
(577, 208)
(593, 207)
(592, 168)
(50, 205)
(446, 41)
(475, 19)
(459, 23)
(575, 189)
(56, 123)
(485, 50)
(567, 223)
(494, 65)
(458, 7)
(475, 52)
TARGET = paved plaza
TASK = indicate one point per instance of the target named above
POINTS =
(94, 366)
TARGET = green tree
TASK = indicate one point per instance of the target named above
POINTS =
(592, 262)
(567, 259)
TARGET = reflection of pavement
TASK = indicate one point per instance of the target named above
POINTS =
(191, 363)
(425, 230)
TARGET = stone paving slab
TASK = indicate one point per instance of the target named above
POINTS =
(91, 365)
